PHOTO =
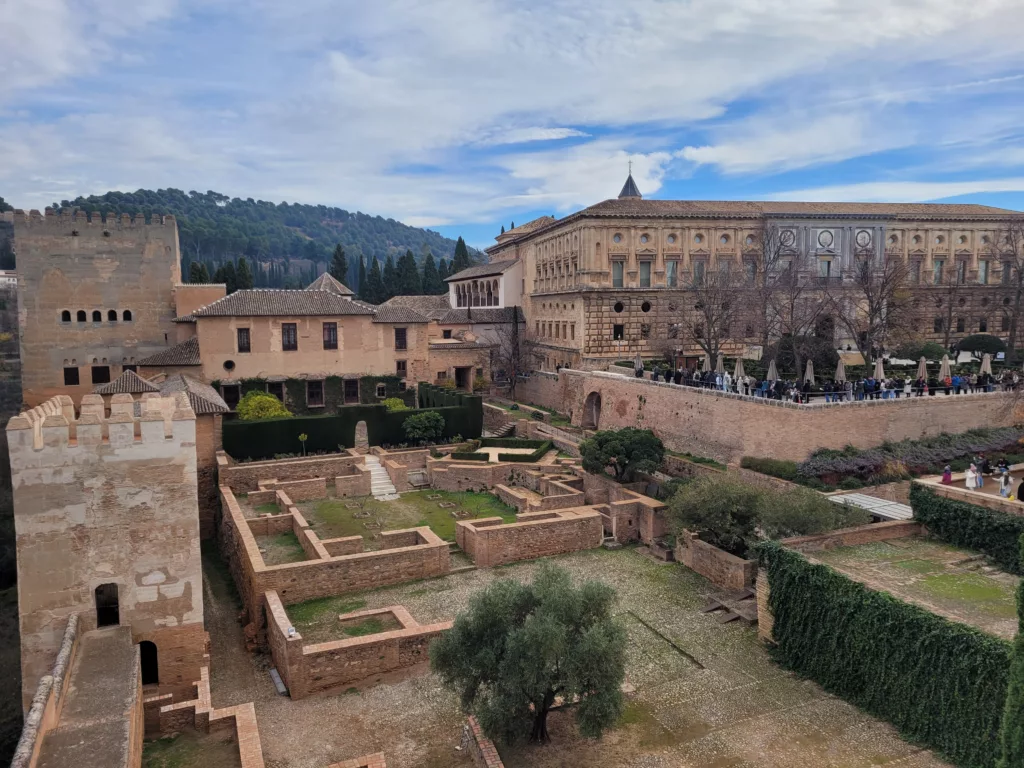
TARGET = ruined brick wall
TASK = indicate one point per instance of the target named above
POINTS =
(716, 565)
(765, 619)
(851, 537)
(495, 418)
(208, 442)
(727, 427)
(540, 534)
(124, 511)
(485, 754)
(246, 477)
(74, 263)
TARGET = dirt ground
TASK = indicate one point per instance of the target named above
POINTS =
(705, 695)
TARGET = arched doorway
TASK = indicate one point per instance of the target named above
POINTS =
(592, 411)
(149, 663)
(108, 611)
(362, 439)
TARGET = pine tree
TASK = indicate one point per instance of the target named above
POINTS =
(226, 274)
(374, 291)
(390, 278)
(442, 270)
(432, 285)
(362, 277)
(197, 273)
(244, 274)
(513, 225)
(503, 229)
(461, 260)
(408, 281)
(339, 265)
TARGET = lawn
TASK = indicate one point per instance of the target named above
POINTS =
(335, 518)
(191, 749)
(280, 549)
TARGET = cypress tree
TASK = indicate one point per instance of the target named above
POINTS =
(408, 277)
(197, 273)
(461, 260)
(442, 270)
(503, 229)
(244, 273)
(339, 265)
(1012, 731)
(390, 280)
(432, 284)
(374, 287)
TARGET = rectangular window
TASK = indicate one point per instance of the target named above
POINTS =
(1006, 322)
(231, 394)
(572, 331)
(751, 269)
(132, 368)
(672, 273)
(982, 325)
(938, 325)
(937, 266)
(960, 325)
(351, 391)
(915, 272)
(961, 272)
(244, 344)
(617, 270)
(618, 332)
(538, 328)
(400, 368)
(557, 332)
(565, 328)
(330, 335)
(276, 388)
(70, 377)
(698, 272)
(442, 375)
(382, 390)
(289, 337)
(645, 274)
(400, 338)
(825, 267)
(983, 272)
(1007, 272)
(314, 394)
(446, 334)
(101, 374)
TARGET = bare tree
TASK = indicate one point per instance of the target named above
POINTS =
(1007, 247)
(954, 287)
(716, 310)
(775, 250)
(797, 302)
(875, 307)
(516, 354)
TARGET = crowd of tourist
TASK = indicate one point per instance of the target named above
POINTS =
(974, 477)
(860, 388)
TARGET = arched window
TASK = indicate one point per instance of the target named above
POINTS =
(127, 315)
(97, 316)
(81, 315)
(112, 315)
(65, 316)
(149, 663)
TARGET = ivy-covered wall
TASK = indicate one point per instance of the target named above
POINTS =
(966, 525)
(942, 684)
(334, 392)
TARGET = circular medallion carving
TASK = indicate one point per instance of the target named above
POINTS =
(825, 239)
(787, 237)
(863, 238)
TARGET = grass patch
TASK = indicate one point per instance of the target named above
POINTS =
(918, 566)
(190, 750)
(281, 548)
(972, 587)
(698, 459)
(312, 610)
(372, 625)
(271, 508)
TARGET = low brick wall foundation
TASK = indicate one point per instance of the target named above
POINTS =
(849, 537)
(376, 760)
(490, 542)
(485, 754)
(716, 565)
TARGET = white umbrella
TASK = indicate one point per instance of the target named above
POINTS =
(705, 363)
(720, 366)
(773, 373)
(986, 363)
(739, 373)
(922, 369)
(841, 371)
(638, 364)
(879, 371)
(944, 368)
(809, 374)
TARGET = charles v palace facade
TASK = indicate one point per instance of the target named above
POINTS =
(616, 279)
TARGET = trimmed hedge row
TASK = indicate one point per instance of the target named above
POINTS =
(781, 468)
(995, 533)
(537, 455)
(510, 442)
(466, 456)
(941, 683)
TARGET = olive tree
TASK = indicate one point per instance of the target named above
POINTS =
(627, 451)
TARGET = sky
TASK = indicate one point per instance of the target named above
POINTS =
(466, 115)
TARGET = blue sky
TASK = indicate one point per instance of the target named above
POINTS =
(463, 115)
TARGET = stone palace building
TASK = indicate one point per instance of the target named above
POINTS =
(615, 279)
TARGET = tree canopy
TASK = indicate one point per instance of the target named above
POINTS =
(339, 265)
(258, 405)
(519, 647)
(627, 451)
(423, 426)
(980, 343)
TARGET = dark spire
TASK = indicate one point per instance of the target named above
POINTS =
(629, 189)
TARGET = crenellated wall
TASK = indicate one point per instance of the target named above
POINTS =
(108, 500)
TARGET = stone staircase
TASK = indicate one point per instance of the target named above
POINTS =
(380, 483)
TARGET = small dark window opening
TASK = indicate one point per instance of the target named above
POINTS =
(132, 367)
(618, 307)
(938, 325)
(101, 374)
(446, 334)
(229, 365)
(351, 391)
(645, 307)
(400, 338)
(97, 316)
(231, 394)
(65, 316)
(244, 344)
(618, 332)
(112, 315)
(276, 388)
(1006, 322)
(314, 394)
(81, 316)
(108, 613)
(150, 664)
(289, 337)
(959, 325)
(400, 368)
(127, 315)
(330, 335)
(982, 325)
(71, 377)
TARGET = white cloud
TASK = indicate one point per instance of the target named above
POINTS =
(526, 135)
(900, 191)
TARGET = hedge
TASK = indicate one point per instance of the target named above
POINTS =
(466, 456)
(510, 442)
(942, 684)
(967, 525)
(781, 468)
(537, 455)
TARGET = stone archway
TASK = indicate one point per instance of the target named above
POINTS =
(362, 438)
(149, 661)
(592, 411)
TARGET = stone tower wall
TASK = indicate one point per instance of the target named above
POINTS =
(73, 262)
(109, 500)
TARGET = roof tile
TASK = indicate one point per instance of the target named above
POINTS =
(263, 302)
(483, 270)
(186, 353)
(129, 383)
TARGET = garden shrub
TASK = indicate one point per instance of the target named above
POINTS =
(537, 455)
(941, 683)
(510, 442)
(394, 404)
(1013, 714)
(424, 426)
(967, 525)
(257, 405)
(781, 468)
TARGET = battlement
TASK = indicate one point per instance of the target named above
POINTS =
(82, 222)
(54, 424)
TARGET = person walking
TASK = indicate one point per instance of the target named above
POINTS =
(1005, 484)
(971, 478)
(947, 475)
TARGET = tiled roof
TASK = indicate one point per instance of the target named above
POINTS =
(431, 307)
(388, 313)
(203, 398)
(326, 282)
(634, 206)
(186, 353)
(185, 319)
(129, 383)
(460, 345)
(464, 315)
(483, 270)
(264, 302)
(629, 189)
